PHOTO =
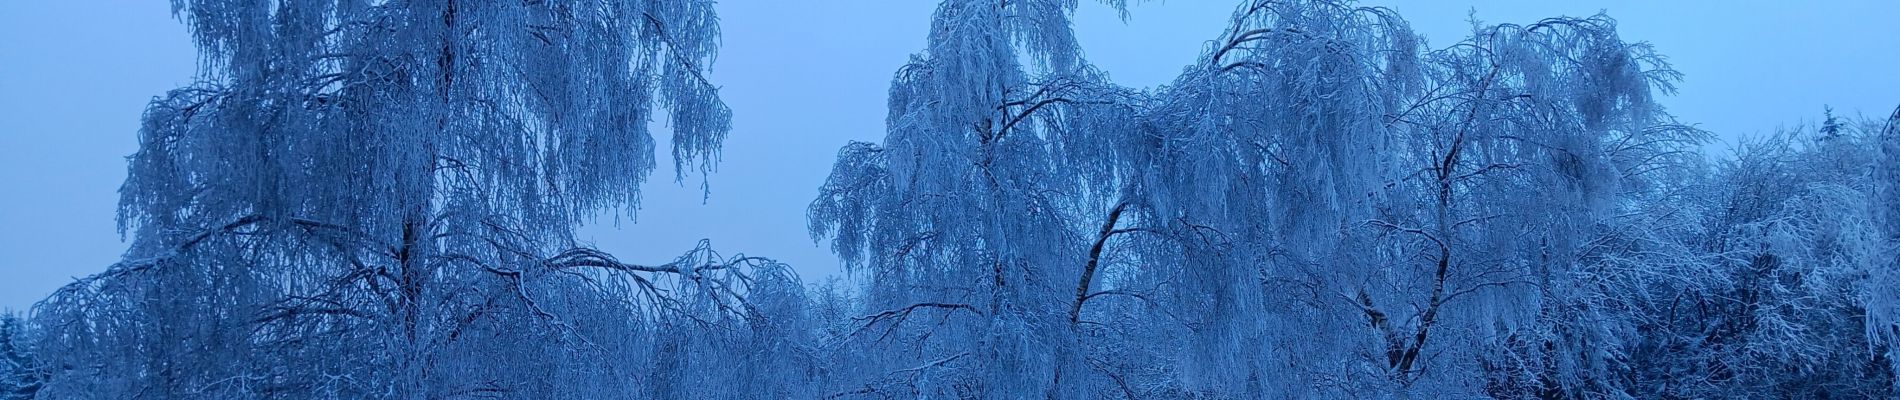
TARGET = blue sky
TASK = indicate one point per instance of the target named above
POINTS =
(803, 77)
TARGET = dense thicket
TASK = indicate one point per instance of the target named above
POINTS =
(377, 200)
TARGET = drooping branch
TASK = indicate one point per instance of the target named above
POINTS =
(902, 313)
(1253, 35)
(1060, 91)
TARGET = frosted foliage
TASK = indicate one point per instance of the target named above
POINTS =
(1792, 245)
(21, 372)
(955, 218)
(376, 200)
(470, 106)
(1323, 205)
(1378, 150)
(1215, 166)
(1882, 307)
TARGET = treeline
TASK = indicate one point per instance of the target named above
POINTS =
(377, 200)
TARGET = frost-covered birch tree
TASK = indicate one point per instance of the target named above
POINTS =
(961, 218)
(367, 199)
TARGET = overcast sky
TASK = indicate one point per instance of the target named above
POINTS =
(803, 77)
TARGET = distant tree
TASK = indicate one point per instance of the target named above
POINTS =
(21, 374)
(1831, 126)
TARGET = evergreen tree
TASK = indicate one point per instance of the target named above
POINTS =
(21, 374)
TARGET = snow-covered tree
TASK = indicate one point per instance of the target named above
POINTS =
(1780, 306)
(365, 199)
(1883, 308)
(1321, 152)
(1251, 168)
(21, 374)
(1549, 147)
(961, 218)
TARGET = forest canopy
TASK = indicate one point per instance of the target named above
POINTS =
(379, 199)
